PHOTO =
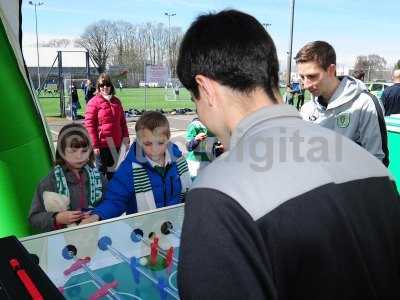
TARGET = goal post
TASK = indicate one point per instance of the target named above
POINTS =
(67, 95)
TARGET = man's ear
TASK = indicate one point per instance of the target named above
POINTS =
(331, 70)
(206, 88)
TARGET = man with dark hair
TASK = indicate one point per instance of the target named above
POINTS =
(391, 96)
(247, 234)
(359, 74)
(341, 104)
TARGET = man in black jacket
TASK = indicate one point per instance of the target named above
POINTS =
(391, 96)
(292, 210)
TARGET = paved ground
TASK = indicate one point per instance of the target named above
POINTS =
(178, 124)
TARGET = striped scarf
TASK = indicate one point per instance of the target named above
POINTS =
(94, 180)
(142, 185)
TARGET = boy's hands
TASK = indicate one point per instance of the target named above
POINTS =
(74, 216)
(87, 218)
(68, 217)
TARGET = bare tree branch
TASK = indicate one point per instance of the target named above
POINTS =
(372, 61)
(98, 40)
(130, 46)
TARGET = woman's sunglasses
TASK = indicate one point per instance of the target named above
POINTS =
(105, 84)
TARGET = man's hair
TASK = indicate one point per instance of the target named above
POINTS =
(153, 121)
(359, 74)
(319, 51)
(73, 135)
(231, 48)
(105, 79)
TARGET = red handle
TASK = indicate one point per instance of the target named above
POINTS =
(25, 279)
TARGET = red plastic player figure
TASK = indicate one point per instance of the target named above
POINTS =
(156, 239)
(168, 258)
(77, 265)
(101, 292)
(153, 253)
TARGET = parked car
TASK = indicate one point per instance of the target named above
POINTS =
(377, 88)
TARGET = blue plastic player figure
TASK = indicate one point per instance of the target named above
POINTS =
(134, 269)
(161, 287)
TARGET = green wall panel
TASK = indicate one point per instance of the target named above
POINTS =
(25, 154)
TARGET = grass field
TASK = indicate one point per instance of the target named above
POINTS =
(131, 98)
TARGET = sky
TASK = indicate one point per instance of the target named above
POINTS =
(352, 27)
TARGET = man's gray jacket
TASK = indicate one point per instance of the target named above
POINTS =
(351, 112)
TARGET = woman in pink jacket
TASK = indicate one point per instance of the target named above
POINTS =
(106, 124)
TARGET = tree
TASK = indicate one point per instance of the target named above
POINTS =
(361, 63)
(372, 61)
(129, 46)
(128, 50)
(123, 37)
(98, 40)
(397, 65)
(176, 39)
(377, 62)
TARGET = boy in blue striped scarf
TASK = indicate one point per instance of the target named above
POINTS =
(154, 173)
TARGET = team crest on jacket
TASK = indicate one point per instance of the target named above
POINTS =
(314, 116)
(343, 120)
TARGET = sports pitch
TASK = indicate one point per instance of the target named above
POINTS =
(157, 98)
